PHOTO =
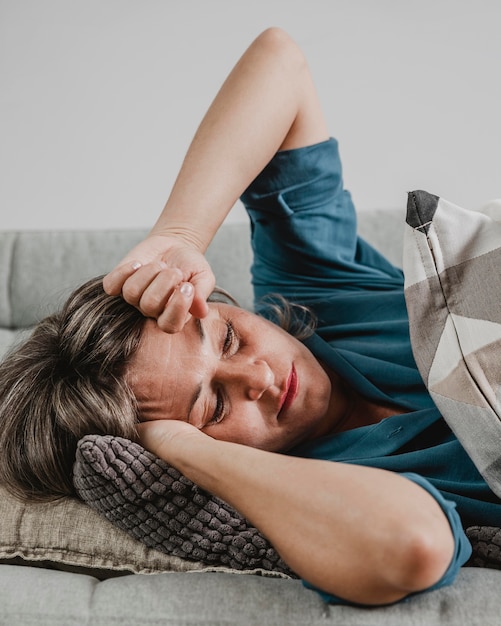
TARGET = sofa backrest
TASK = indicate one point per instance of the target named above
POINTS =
(39, 269)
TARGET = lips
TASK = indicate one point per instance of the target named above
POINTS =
(290, 392)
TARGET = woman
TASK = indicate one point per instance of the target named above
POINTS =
(368, 504)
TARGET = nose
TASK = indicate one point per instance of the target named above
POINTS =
(252, 377)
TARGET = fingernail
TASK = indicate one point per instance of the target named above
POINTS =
(186, 289)
(136, 265)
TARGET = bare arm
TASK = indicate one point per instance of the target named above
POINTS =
(267, 103)
(367, 535)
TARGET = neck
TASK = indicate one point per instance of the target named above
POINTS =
(348, 409)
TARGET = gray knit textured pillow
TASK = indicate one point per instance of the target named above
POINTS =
(156, 504)
(486, 544)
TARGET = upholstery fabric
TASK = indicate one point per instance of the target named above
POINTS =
(39, 269)
(31, 597)
(452, 258)
(156, 504)
(69, 535)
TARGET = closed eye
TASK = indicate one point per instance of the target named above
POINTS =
(228, 349)
(218, 415)
(231, 341)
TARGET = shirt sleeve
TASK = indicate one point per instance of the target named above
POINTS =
(462, 546)
(304, 229)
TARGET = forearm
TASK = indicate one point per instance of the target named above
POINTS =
(267, 102)
(364, 534)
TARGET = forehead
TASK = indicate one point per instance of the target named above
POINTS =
(166, 367)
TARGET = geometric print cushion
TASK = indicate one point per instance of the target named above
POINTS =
(154, 503)
(452, 267)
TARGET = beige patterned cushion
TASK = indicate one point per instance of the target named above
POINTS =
(452, 262)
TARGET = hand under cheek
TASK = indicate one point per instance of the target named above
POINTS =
(162, 437)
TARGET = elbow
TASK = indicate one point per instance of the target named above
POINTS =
(406, 561)
(424, 558)
(416, 559)
(420, 560)
(276, 42)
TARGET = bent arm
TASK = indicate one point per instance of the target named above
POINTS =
(366, 535)
(267, 103)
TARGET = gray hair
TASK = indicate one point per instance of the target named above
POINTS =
(65, 381)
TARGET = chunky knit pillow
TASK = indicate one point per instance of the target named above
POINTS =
(486, 545)
(157, 505)
(160, 507)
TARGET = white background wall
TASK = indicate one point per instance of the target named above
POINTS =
(100, 98)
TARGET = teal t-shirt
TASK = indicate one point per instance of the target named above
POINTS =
(306, 248)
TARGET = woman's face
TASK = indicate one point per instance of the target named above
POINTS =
(236, 377)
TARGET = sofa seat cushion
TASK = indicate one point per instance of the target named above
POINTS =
(30, 596)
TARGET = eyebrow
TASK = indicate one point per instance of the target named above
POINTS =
(198, 390)
(200, 329)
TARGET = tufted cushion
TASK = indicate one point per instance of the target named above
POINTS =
(156, 504)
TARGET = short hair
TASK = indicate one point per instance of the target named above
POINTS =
(65, 381)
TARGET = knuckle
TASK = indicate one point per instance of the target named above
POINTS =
(173, 274)
(113, 282)
(169, 327)
(151, 304)
(131, 294)
(171, 321)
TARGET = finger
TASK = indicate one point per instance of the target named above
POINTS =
(204, 284)
(114, 280)
(144, 278)
(157, 294)
(176, 311)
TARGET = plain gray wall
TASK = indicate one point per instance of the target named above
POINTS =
(100, 98)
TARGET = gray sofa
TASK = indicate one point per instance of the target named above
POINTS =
(62, 564)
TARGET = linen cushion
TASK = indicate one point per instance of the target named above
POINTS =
(68, 535)
(452, 258)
